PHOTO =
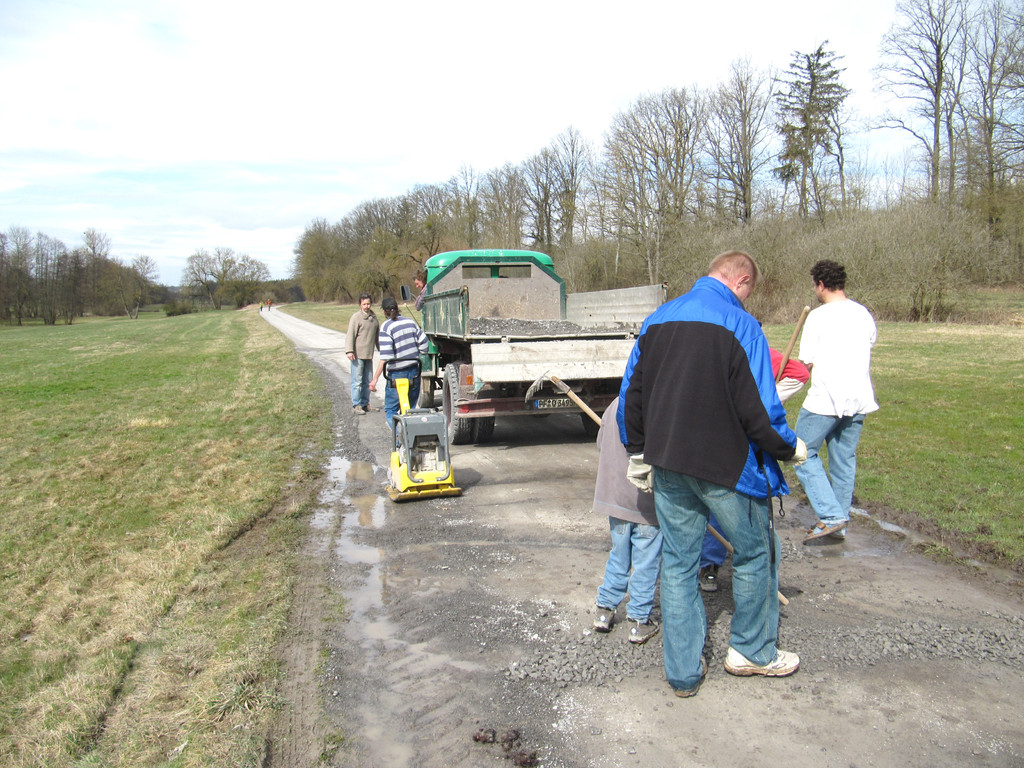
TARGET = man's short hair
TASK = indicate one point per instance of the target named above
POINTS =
(733, 263)
(831, 274)
(363, 296)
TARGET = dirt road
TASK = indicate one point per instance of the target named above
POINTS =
(418, 625)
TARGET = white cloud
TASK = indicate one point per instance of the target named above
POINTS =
(181, 125)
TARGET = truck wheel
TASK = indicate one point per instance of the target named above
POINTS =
(460, 431)
(590, 426)
(483, 429)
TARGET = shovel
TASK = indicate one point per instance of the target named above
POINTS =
(565, 389)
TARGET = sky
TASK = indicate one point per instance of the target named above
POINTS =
(178, 125)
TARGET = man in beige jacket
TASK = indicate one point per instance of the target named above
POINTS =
(360, 342)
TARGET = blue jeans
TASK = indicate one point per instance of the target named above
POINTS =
(831, 493)
(684, 505)
(359, 374)
(391, 405)
(636, 546)
(713, 552)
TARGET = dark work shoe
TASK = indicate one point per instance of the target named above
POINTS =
(709, 578)
(603, 619)
(642, 631)
(685, 693)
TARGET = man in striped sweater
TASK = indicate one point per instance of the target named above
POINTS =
(401, 344)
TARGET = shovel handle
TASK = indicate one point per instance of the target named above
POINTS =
(565, 389)
(792, 343)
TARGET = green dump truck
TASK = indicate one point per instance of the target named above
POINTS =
(500, 322)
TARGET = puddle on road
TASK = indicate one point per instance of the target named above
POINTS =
(342, 516)
(887, 540)
(345, 514)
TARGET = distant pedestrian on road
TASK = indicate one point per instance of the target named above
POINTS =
(401, 344)
(634, 561)
(360, 342)
(702, 422)
(836, 345)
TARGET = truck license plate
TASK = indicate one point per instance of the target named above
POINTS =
(552, 402)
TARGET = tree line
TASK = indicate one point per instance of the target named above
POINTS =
(225, 276)
(42, 279)
(775, 163)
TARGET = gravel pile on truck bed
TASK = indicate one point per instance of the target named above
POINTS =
(514, 327)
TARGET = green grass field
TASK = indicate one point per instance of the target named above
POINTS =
(945, 445)
(135, 457)
(141, 606)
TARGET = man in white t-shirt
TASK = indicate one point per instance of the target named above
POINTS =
(836, 346)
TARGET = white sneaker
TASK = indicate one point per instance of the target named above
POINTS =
(785, 664)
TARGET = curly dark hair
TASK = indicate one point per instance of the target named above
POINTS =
(831, 274)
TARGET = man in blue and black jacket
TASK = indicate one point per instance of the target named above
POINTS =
(701, 419)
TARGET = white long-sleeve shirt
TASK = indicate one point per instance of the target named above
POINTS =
(837, 340)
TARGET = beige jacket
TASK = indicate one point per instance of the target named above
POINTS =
(361, 338)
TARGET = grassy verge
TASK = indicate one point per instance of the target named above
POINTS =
(140, 602)
(944, 449)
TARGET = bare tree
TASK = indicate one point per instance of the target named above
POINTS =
(432, 211)
(918, 58)
(222, 276)
(203, 275)
(319, 261)
(650, 168)
(133, 283)
(50, 275)
(20, 247)
(464, 197)
(503, 199)
(573, 161)
(738, 137)
(541, 174)
(243, 280)
(994, 105)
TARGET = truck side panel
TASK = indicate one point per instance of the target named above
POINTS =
(447, 314)
(503, 362)
(628, 306)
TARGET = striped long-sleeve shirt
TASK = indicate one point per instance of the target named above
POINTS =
(401, 343)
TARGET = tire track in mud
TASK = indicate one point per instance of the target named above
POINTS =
(300, 735)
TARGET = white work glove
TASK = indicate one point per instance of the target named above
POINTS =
(639, 473)
(799, 455)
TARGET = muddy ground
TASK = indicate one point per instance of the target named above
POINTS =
(416, 626)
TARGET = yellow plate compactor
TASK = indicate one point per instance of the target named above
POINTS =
(421, 465)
